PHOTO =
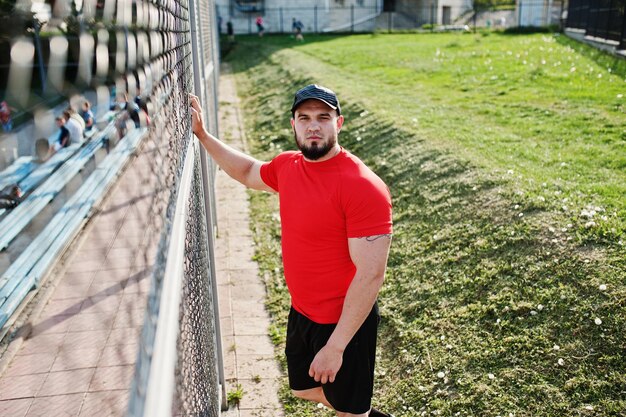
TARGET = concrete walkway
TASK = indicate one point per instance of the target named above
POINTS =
(249, 354)
(75, 355)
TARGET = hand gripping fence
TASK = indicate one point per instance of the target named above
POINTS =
(158, 51)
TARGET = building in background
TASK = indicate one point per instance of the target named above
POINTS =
(539, 13)
(320, 16)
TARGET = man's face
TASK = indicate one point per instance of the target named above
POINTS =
(315, 127)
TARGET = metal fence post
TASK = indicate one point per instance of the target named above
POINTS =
(352, 18)
(315, 17)
(622, 42)
(432, 17)
(42, 69)
(607, 34)
(199, 89)
(280, 13)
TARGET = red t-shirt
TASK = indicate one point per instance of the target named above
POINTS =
(322, 204)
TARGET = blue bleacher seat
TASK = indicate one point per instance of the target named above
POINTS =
(26, 271)
(18, 170)
(19, 217)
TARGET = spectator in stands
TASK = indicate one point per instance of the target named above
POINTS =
(87, 115)
(62, 140)
(141, 102)
(230, 31)
(5, 116)
(259, 25)
(74, 124)
(129, 111)
(10, 196)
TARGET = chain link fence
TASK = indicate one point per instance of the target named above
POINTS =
(363, 18)
(125, 56)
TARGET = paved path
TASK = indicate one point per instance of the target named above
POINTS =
(75, 355)
(249, 354)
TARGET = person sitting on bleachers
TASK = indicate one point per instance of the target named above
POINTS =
(10, 196)
(75, 124)
(87, 115)
(63, 139)
(130, 110)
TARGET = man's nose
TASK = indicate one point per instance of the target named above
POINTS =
(313, 126)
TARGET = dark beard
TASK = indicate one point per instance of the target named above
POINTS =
(315, 152)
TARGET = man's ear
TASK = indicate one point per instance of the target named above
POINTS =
(340, 120)
(293, 124)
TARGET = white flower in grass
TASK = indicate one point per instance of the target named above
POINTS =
(561, 362)
(442, 337)
(590, 224)
(602, 287)
(358, 138)
(541, 198)
(498, 321)
(510, 172)
(620, 95)
(320, 405)
(573, 69)
(533, 313)
(540, 307)
(520, 215)
(448, 346)
(589, 407)
(441, 374)
(598, 321)
(491, 376)
(556, 347)
(516, 206)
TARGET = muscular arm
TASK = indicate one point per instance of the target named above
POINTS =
(369, 255)
(241, 167)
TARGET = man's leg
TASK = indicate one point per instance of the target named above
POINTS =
(314, 394)
(317, 395)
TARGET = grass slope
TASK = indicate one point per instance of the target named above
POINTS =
(508, 184)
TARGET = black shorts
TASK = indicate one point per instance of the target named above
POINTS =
(354, 383)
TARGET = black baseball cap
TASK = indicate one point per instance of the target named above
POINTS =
(317, 92)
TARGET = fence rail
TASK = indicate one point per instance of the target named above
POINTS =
(604, 19)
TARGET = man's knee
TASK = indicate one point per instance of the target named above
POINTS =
(340, 414)
(313, 394)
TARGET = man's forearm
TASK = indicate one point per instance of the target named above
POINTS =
(235, 163)
(357, 305)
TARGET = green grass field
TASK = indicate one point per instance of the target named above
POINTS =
(505, 156)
